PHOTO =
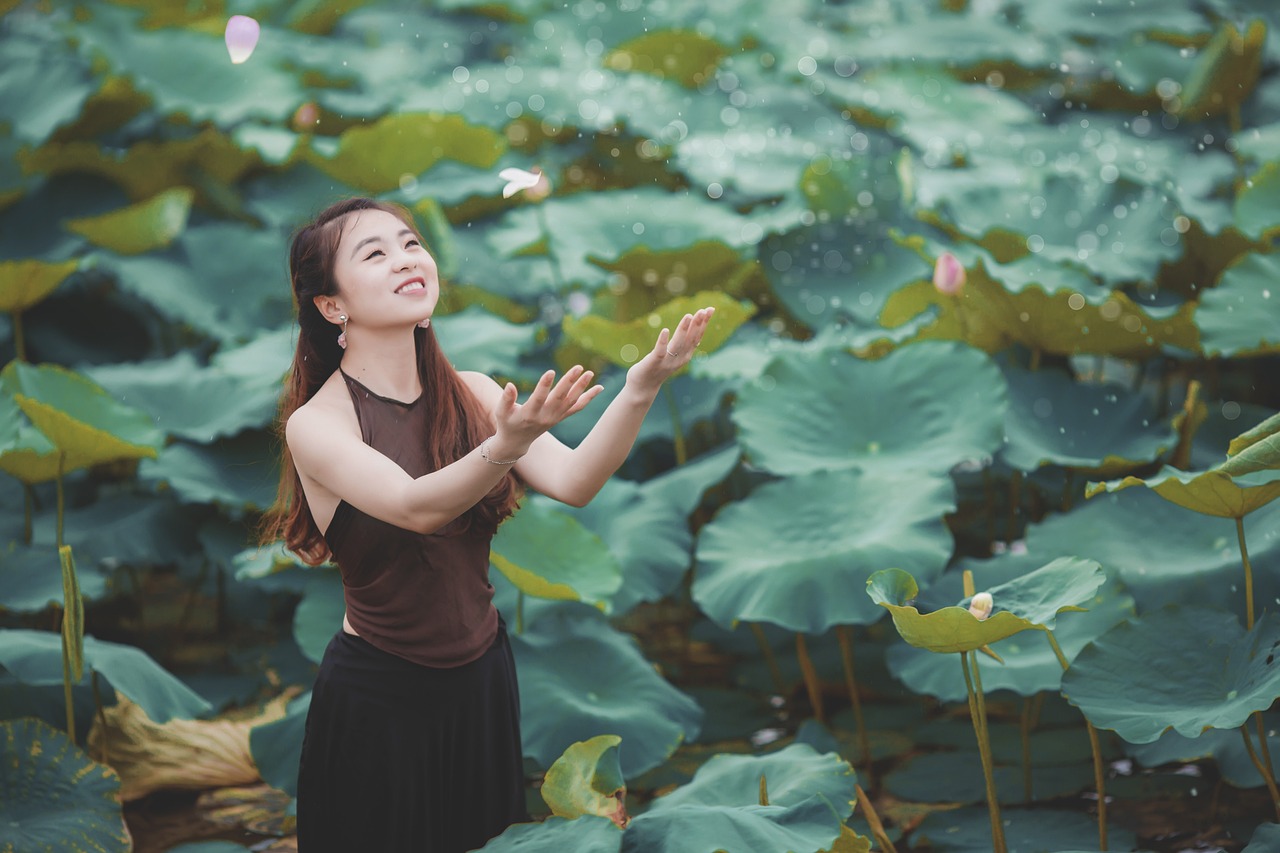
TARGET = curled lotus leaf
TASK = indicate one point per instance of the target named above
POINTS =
(1185, 668)
(140, 227)
(1213, 492)
(1264, 430)
(1241, 315)
(547, 553)
(26, 283)
(1225, 73)
(53, 796)
(624, 344)
(587, 779)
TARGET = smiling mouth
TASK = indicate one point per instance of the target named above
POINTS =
(412, 286)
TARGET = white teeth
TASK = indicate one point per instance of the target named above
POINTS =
(410, 287)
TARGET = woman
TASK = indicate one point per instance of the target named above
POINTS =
(399, 469)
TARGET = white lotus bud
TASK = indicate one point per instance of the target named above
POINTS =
(981, 606)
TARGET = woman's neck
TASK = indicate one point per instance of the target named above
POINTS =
(386, 364)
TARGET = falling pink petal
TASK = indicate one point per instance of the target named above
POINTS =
(242, 37)
(948, 274)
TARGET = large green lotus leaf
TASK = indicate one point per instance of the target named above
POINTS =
(808, 827)
(1055, 742)
(1257, 212)
(149, 166)
(375, 157)
(795, 551)
(32, 581)
(580, 678)
(187, 72)
(53, 796)
(586, 780)
(1219, 433)
(1225, 72)
(474, 339)
(547, 553)
(26, 283)
(696, 401)
(1212, 492)
(1141, 63)
(792, 776)
(1265, 837)
(956, 777)
(1055, 420)
(140, 227)
(35, 657)
(1044, 830)
(686, 56)
(1031, 601)
(587, 834)
(1027, 663)
(804, 419)
(943, 40)
(239, 389)
(1186, 668)
(25, 453)
(85, 425)
(624, 344)
(123, 530)
(45, 83)
(1224, 746)
(276, 746)
(1108, 21)
(280, 198)
(1240, 316)
(928, 108)
(239, 474)
(1162, 553)
(587, 228)
(319, 614)
(646, 525)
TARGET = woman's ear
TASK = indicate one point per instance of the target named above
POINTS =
(329, 309)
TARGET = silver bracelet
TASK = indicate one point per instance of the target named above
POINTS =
(484, 454)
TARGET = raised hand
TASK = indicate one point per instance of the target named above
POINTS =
(671, 352)
(519, 424)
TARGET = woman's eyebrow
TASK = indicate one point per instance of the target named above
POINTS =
(376, 239)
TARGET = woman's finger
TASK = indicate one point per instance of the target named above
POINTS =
(562, 388)
(541, 390)
(584, 398)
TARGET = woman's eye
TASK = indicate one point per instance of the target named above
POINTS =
(412, 243)
(373, 253)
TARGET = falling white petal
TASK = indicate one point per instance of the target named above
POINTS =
(242, 37)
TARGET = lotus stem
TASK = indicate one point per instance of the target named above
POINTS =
(1099, 777)
(519, 611)
(1025, 730)
(873, 820)
(961, 320)
(682, 453)
(66, 691)
(19, 339)
(62, 458)
(845, 636)
(1248, 574)
(1186, 432)
(1263, 770)
(1263, 748)
(977, 714)
(775, 671)
(810, 678)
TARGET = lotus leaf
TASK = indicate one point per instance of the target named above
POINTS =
(644, 279)
(587, 834)
(276, 746)
(375, 157)
(474, 339)
(1260, 144)
(1265, 837)
(1049, 746)
(1044, 830)
(547, 553)
(1027, 663)
(1186, 668)
(1055, 420)
(1256, 211)
(1220, 432)
(31, 584)
(238, 474)
(35, 657)
(587, 779)
(1162, 553)
(85, 425)
(46, 84)
(624, 344)
(141, 227)
(686, 56)
(647, 525)
(807, 827)
(54, 796)
(950, 40)
(793, 551)
(1264, 430)
(1225, 72)
(319, 615)
(1224, 746)
(26, 283)
(25, 453)
(1239, 316)
(1212, 492)
(580, 678)
(695, 401)
(956, 777)
(924, 408)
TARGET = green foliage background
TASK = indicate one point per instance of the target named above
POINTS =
(1108, 175)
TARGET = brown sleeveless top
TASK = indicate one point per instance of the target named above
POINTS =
(424, 597)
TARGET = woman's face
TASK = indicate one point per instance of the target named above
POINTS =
(385, 276)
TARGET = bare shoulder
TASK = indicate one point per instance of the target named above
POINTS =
(482, 385)
(328, 412)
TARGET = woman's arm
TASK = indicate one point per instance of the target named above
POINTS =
(329, 454)
(574, 475)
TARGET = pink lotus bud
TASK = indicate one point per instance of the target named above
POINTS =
(533, 184)
(306, 117)
(948, 274)
(242, 37)
(981, 606)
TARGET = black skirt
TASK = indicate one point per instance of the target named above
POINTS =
(403, 757)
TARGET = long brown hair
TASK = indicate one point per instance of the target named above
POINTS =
(457, 420)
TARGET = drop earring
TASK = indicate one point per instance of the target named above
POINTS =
(342, 338)
(424, 324)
